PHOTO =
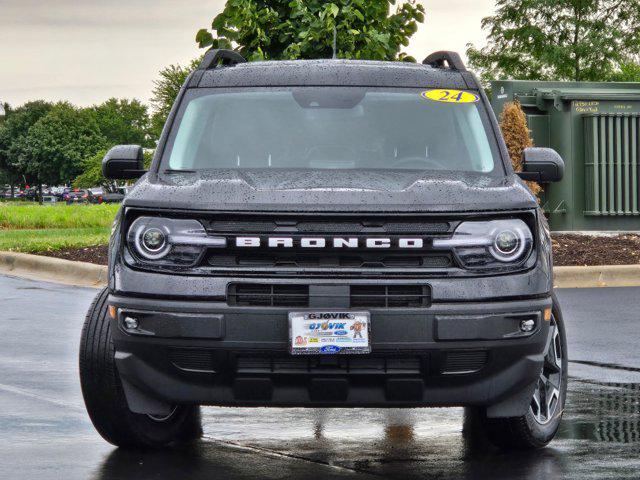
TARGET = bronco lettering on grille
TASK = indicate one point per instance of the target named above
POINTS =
(406, 243)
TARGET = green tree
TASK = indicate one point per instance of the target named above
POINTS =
(53, 150)
(124, 122)
(293, 29)
(579, 40)
(91, 175)
(165, 91)
(13, 130)
(628, 71)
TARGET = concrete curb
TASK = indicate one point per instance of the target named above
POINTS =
(88, 274)
(53, 269)
(600, 276)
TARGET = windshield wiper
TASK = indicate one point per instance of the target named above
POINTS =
(171, 170)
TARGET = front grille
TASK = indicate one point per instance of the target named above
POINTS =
(345, 260)
(329, 365)
(265, 295)
(390, 296)
(464, 362)
(360, 296)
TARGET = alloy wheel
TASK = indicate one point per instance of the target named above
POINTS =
(546, 397)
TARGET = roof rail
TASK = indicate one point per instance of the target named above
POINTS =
(216, 56)
(452, 59)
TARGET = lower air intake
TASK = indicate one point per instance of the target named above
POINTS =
(464, 362)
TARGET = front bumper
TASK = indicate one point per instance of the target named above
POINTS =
(209, 353)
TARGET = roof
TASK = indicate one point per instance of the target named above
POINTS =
(589, 93)
(570, 90)
(333, 73)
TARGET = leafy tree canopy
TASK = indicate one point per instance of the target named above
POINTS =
(627, 72)
(12, 132)
(295, 29)
(165, 91)
(124, 122)
(580, 40)
(55, 146)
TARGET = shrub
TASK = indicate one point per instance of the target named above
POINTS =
(513, 123)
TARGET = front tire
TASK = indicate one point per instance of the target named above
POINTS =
(105, 399)
(540, 424)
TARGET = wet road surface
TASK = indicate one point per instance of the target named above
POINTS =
(46, 434)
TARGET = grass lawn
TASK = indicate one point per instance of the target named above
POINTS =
(32, 228)
(35, 241)
(28, 215)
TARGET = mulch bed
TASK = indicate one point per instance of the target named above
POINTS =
(585, 250)
(568, 249)
(97, 255)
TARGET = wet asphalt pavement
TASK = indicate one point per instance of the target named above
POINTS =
(46, 434)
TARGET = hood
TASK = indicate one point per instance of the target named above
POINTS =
(330, 191)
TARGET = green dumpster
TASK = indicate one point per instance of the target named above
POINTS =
(596, 129)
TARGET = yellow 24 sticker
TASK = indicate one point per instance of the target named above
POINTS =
(451, 96)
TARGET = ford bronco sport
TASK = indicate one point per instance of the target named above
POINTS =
(327, 233)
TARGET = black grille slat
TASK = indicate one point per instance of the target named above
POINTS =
(338, 365)
(328, 225)
(415, 227)
(265, 295)
(360, 296)
(192, 359)
(390, 296)
(310, 260)
(464, 362)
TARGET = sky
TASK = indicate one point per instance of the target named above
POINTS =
(86, 51)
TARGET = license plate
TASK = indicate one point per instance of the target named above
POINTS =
(329, 333)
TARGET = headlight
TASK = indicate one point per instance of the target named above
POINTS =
(490, 244)
(169, 242)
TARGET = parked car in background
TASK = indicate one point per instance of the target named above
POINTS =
(117, 196)
(77, 196)
(31, 193)
(95, 195)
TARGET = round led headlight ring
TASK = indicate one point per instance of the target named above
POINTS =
(506, 242)
(152, 242)
(508, 245)
(154, 239)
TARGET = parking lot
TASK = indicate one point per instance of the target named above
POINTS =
(46, 433)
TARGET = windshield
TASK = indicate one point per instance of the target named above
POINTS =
(329, 128)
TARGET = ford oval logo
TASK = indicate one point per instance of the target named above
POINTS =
(330, 349)
(341, 332)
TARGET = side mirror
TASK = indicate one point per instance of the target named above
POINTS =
(123, 162)
(542, 165)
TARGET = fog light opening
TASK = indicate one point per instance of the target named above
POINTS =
(130, 323)
(527, 326)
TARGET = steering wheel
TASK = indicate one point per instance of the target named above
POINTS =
(418, 162)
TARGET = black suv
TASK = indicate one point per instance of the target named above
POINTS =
(327, 233)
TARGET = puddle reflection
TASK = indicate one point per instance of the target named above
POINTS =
(612, 416)
(406, 444)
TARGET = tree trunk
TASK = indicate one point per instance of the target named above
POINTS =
(13, 190)
(576, 40)
(40, 200)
